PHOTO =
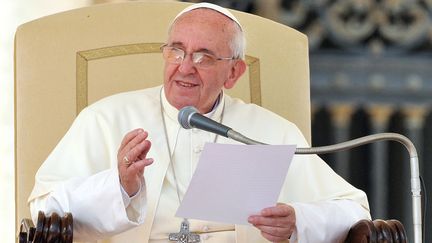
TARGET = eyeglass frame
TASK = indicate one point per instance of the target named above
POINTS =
(196, 64)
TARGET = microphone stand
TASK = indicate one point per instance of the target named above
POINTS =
(414, 165)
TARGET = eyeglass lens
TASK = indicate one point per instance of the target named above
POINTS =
(176, 56)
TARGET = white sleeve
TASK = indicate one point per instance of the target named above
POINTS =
(327, 221)
(97, 205)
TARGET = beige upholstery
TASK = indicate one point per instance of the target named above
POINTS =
(68, 60)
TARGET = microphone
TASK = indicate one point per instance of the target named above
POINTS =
(189, 117)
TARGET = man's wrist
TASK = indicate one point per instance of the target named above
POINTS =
(126, 198)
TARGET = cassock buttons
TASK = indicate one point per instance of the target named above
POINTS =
(205, 228)
(197, 149)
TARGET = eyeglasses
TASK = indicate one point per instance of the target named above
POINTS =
(176, 55)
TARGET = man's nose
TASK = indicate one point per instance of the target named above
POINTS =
(187, 66)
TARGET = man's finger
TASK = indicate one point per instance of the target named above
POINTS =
(140, 149)
(137, 168)
(146, 149)
(141, 136)
(269, 221)
(280, 210)
(129, 136)
(275, 231)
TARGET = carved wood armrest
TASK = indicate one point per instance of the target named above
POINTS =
(367, 231)
(48, 229)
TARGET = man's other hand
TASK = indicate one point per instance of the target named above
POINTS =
(275, 223)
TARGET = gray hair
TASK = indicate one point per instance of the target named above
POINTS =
(238, 43)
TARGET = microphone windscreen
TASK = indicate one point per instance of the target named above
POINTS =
(184, 116)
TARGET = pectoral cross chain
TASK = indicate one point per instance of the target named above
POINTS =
(184, 236)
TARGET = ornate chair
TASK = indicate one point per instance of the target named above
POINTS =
(66, 61)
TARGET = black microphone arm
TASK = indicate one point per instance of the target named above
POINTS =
(190, 118)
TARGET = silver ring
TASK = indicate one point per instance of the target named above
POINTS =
(126, 160)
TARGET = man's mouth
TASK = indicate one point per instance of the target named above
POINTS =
(185, 84)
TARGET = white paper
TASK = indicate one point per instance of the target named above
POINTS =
(232, 182)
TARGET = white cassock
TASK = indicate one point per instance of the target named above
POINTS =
(81, 176)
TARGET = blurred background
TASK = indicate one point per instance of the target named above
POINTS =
(371, 71)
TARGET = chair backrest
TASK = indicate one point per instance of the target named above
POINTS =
(66, 61)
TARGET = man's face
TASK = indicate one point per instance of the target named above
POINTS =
(200, 30)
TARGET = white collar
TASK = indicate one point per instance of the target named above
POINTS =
(215, 113)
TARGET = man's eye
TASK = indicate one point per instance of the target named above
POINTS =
(203, 59)
(198, 58)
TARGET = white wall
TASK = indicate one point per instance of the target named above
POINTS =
(12, 14)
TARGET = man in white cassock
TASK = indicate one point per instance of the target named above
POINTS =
(125, 163)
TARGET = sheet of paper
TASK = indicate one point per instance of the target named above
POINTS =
(232, 182)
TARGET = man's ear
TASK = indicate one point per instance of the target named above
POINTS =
(237, 71)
